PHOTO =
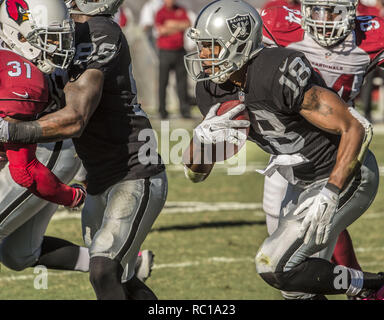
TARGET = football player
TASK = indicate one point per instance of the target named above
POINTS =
(47, 41)
(24, 92)
(126, 189)
(343, 48)
(333, 176)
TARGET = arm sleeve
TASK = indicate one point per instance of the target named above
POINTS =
(28, 172)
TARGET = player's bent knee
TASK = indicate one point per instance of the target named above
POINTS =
(267, 271)
(291, 280)
(264, 259)
(278, 280)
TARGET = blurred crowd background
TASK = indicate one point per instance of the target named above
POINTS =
(138, 21)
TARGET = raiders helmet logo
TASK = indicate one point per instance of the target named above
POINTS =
(243, 22)
(17, 10)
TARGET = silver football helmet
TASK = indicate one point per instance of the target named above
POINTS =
(94, 7)
(39, 30)
(234, 27)
(328, 22)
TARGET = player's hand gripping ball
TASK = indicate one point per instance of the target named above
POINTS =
(226, 128)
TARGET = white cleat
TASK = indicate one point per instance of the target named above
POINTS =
(144, 264)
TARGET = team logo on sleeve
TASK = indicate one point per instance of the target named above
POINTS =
(17, 10)
(243, 22)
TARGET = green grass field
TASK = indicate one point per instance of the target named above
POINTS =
(203, 250)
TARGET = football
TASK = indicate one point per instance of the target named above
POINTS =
(224, 151)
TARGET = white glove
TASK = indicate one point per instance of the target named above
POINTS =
(4, 135)
(320, 211)
(215, 129)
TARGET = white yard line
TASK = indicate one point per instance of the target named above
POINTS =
(204, 261)
(369, 249)
(249, 167)
(32, 277)
(173, 207)
(186, 264)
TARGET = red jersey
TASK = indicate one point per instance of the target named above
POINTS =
(24, 93)
(280, 3)
(173, 41)
(343, 66)
(23, 88)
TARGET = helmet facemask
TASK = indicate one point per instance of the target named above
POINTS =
(328, 22)
(230, 57)
(56, 44)
(228, 33)
(216, 65)
(46, 40)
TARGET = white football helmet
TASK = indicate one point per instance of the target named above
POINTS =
(236, 27)
(94, 7)
(39, 30)
(328, 22)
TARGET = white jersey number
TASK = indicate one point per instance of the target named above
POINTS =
(292, 15)
(18, 70)
(299, 71)
(367, 23)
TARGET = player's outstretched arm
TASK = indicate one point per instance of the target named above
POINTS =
(327, 111)
(82, 98)
(29, 173)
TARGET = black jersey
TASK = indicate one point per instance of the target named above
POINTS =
(277, 79)
(110, 146)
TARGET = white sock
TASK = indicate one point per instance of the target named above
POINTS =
(82, 263)
(357, 279)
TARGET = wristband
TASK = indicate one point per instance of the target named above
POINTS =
(28, 132)
(333, 188)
